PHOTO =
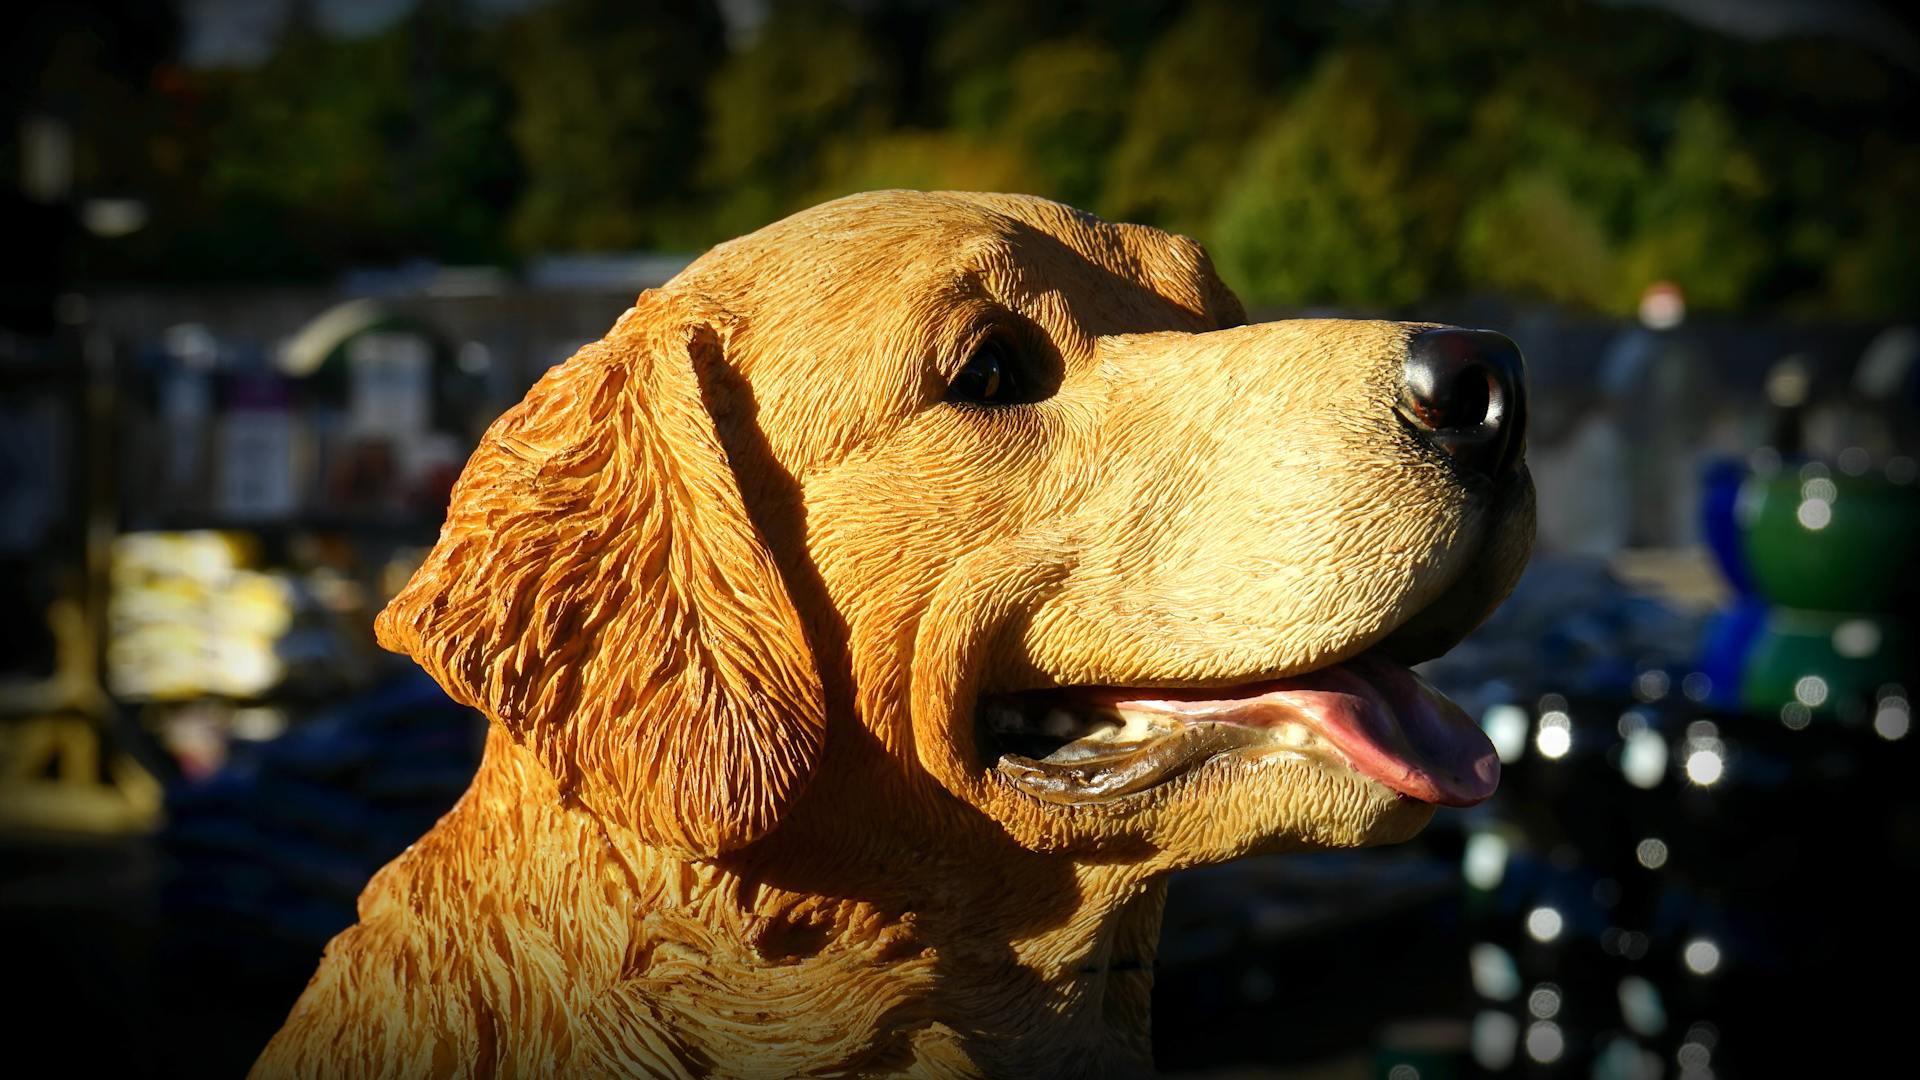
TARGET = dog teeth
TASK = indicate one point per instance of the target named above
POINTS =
(1056, 723)
(1297, 737)
(1137, 726)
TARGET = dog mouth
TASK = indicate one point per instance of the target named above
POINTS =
(1370, 715)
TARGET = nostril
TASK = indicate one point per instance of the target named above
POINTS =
(1463, 401)
(1463, 392)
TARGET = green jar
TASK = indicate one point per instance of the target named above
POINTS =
(1835, 556)
(1818, 660)
(1831, 542)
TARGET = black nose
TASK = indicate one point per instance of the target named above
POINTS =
(1465, 393)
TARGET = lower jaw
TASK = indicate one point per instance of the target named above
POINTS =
(1369, 718)
(1127, 771)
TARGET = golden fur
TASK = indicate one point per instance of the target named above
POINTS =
(728, 583)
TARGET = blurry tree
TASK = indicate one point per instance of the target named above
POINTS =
(1064, 114)
(1835, 131)
(1051, 82)
(1557, 176)
(358, 148)
(813, 84)
(1373, 154)
(927, 160)
(978, 42)
(1698, 221)
(610, 119)
(1202, 91)
(1339, 199)
(298, 148)
(1875, 273)
(1530, 237)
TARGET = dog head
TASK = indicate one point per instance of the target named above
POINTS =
(1011, 496)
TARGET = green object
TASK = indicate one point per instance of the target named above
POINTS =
(1831, 543)
(1819, 660)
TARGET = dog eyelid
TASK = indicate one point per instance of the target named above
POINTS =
(990, 376)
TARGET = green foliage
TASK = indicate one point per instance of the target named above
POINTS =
(926, 160)
(1338, 200)
(1201, 93)
(1875, 274)
(1698, 221)
(1064, 112)
(347, 149)
(1530, 236)
(1560, 198)
(1371, 155)
(810, 88)
(611, 119)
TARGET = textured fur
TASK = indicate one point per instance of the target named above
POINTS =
(728, 582)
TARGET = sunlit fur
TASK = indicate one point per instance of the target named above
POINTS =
(728, 581)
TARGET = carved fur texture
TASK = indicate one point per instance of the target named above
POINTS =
(730, 582)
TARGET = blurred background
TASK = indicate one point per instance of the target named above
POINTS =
(273, 266)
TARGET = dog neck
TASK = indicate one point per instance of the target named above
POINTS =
(802, 956)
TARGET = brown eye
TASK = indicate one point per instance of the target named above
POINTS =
(991, 377)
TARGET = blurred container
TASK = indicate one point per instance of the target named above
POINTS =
(1720, 485)
(1822, 660)
(1835, 553)
(1831, 542)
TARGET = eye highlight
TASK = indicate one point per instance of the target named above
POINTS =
(992, 376)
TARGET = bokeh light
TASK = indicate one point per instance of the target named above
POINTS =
(1697, 686)
(1857, 639)
(1484, 862)
(1811, 691)
(1555, 737)
(1819, 489)
(1495, 976)
(1641, 1006)
(1814, 514)
(1702, 956)
(1892, 718)
(1545, 1042)
(1652, 684)
(1544, 924)
(1506, 727)
(1706, 767)
(1544, 1002)
(1643, 760)
(1494, 1040)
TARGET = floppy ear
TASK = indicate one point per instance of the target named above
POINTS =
(600, 590)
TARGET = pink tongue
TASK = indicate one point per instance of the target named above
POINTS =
(1389, 723)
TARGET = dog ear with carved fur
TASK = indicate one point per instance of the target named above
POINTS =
(600, 589)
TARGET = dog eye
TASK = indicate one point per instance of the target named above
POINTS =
(991, 377)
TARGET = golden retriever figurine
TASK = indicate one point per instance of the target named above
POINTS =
(878, 614)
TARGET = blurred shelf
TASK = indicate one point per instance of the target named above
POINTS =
(1685, 577)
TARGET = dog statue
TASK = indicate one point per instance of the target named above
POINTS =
(873, 620)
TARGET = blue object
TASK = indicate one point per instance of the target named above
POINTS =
(1726, 643)
(1719, 494)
